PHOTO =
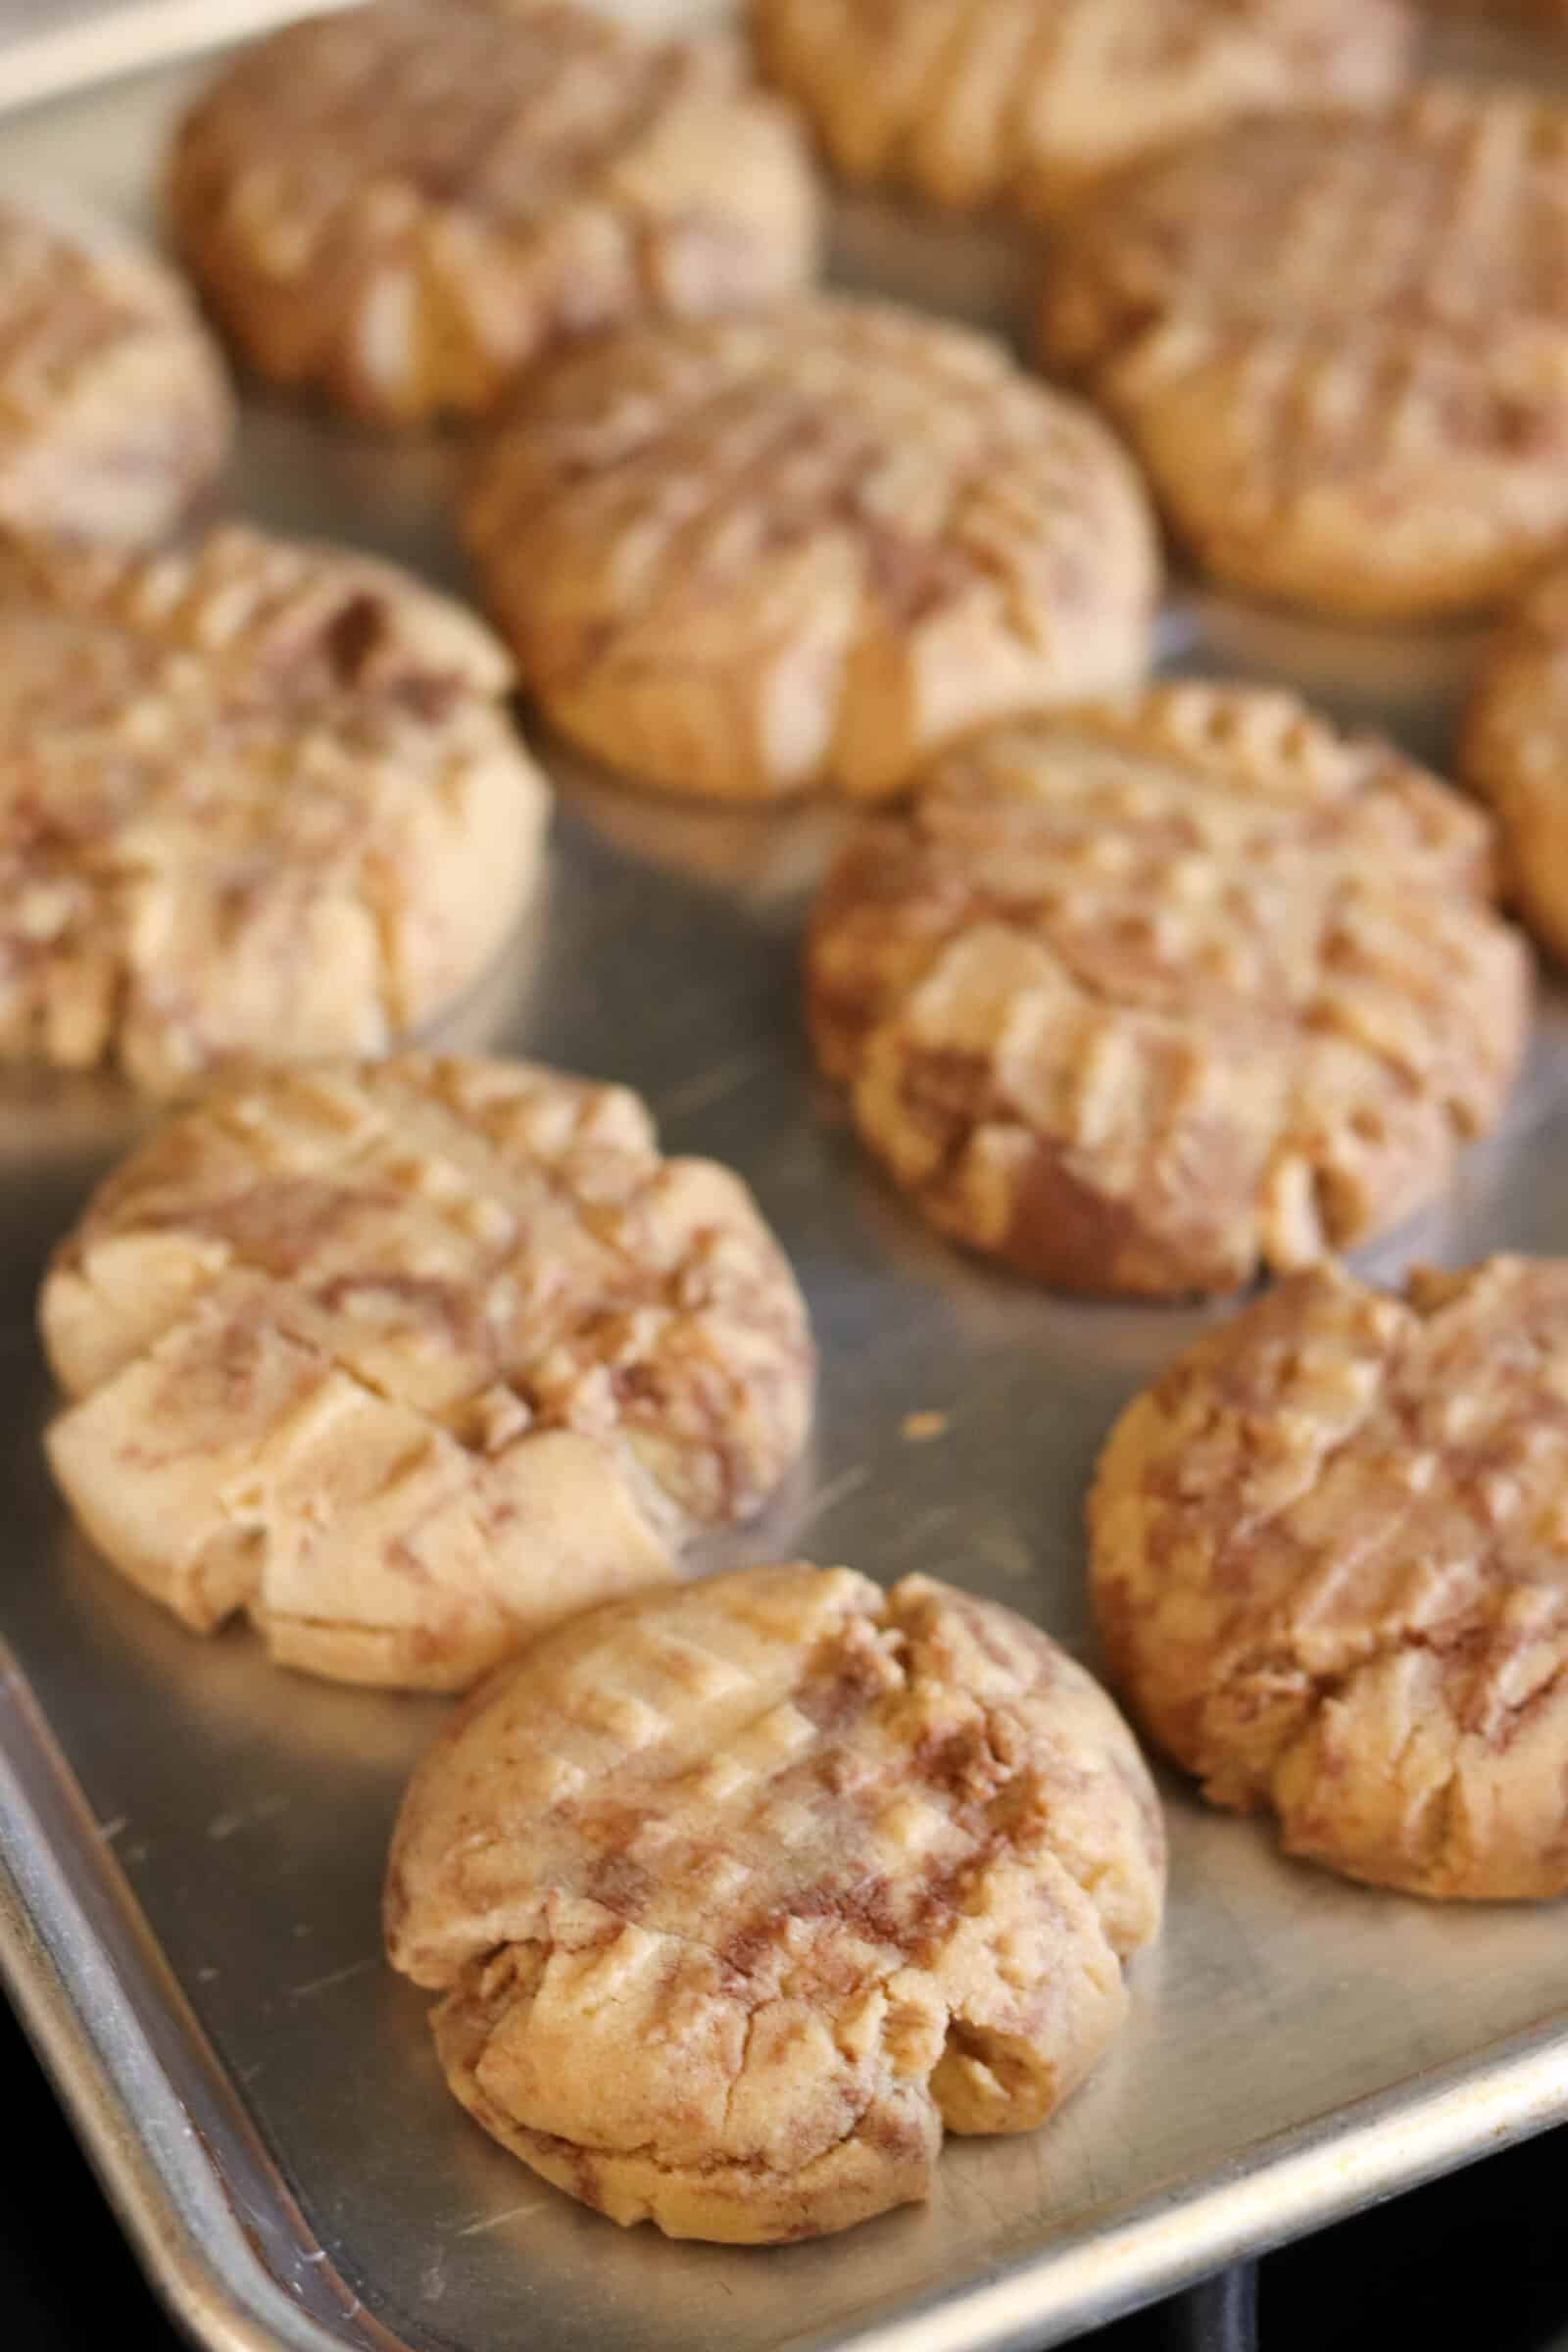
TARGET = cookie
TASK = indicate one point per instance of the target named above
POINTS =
(1025, 103)
(738, 1895)
(114, 407)
(1331, 1569)
(1340, 348)
(402, 206)
(257, 801)
(752, 558)
(406, 1359)
(1148, 997)
(1514, 751)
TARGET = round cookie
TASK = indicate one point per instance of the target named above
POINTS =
(436, 1350)
(1145, 998)
(738, 1894)
(1514, 751)
(1340, 348)
(114, 407)
(257, 801)
(405, 205)
(751, 557)
(1024, 103)
(1331, 1569)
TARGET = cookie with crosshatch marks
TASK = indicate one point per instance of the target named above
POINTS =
(737, 1895)
(1330, 1561)
(114, 408)
(259, 802)
(406, 1359)
(754, 558)
(1152, 996)
(405, 205)
(1339, 347)
(1024, 103)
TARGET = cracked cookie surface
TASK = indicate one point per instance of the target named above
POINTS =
(1330, 1561)
(737, 1895)
(759, 556)
(1024, 103)
(257, 801)
(408, 1358)
(405, 205)
(1149, 995)
(114, 407)
(1339, 348)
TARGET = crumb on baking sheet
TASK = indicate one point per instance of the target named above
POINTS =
(920, 1428)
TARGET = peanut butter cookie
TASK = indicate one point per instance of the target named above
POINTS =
(114, 407)
(405, 205)
(1331, 1567)
(749, 559)
(1024, 103)
(409, 1358)
(1340, 348)
(737, 1895)
(1147, 997)
(256, 800)
(1514, 750)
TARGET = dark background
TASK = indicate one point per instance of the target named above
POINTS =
(1478, 2259)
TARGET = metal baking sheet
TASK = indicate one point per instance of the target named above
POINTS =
(188, 1906)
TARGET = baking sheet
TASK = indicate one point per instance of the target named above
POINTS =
(188, 1911)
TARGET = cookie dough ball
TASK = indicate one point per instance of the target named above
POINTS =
(1024, 102)
(114, 407)
(1514, 751)
(1340, 348)
(1145, 998)
(754, 558)
(1331, 1569)
(409, 1358)
(737, 1895)
(257, 801)
(405, 205)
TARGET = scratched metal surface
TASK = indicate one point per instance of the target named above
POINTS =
(194, 1936)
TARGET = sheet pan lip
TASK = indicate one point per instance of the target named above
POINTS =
(177, 2153)
(183, 2163)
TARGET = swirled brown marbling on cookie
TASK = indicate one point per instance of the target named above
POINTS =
(738, 1895)
(257, 801)
(1331, 1568)
(114, 408)
(1025, 103)
(405, 205)
(1339, 347)
(406, 1359)
(1149, 995)
(757, 556)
